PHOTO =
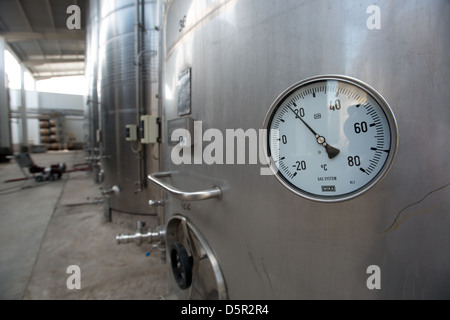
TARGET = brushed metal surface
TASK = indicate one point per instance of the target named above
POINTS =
(270, 243)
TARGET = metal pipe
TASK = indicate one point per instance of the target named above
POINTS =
(151, 236)
(137, 64)
(114, 189)
(156, 203)
(139, 109)
(160, 31)
(137, 80)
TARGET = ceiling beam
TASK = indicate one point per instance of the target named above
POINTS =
(24, 15)
(52, 22)
(27, 21)
(37, 62)
(53, 74)
(12, 37)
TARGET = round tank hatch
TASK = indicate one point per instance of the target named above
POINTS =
(195, 269)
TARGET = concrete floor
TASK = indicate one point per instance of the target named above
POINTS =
(47, 227)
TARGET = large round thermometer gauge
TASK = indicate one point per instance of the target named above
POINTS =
(330, 138)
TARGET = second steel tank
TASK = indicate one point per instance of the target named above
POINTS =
(127, 90)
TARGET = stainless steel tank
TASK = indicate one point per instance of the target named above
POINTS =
(91, 112)
(127, 86)
(225, 63)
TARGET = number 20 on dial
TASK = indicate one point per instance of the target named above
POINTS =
(330, 138)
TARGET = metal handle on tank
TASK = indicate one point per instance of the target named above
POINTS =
(215, 192)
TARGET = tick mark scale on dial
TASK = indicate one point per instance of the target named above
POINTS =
(376, 149)
(364, 171)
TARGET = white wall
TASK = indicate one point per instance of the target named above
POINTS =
(74, 125)
(59, 101)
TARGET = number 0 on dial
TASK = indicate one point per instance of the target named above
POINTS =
(330, 138)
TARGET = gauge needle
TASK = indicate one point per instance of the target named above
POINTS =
(332, 152)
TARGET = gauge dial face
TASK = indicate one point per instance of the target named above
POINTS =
(330, 138)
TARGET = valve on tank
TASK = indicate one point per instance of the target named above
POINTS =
(156, 237)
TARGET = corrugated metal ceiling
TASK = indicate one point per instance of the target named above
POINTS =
(37, 32)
